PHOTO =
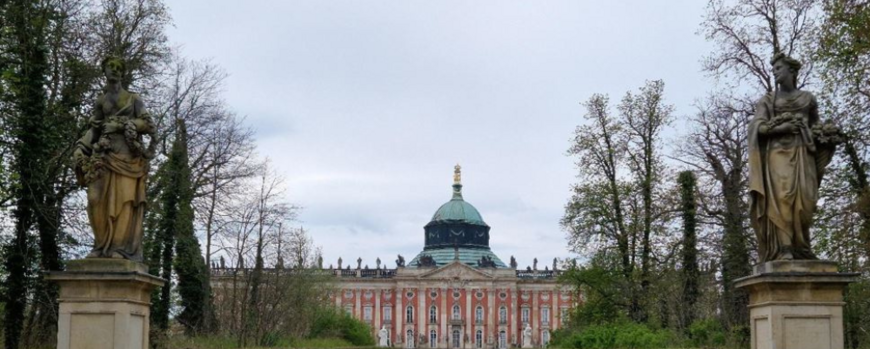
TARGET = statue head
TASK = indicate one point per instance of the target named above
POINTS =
(113, 67)
(785, 68)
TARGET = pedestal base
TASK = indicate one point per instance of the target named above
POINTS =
(796, 304)
(104, 304)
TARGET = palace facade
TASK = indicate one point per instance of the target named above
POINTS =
(456, 293)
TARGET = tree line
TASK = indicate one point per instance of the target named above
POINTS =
(210, 195)
(660, 213)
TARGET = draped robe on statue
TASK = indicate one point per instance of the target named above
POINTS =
(116, 198)
(784, 175)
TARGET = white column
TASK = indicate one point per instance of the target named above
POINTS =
(536, 312)
(554, 310)
(400, 313)
(513, 318)
(469, 316)
(377, 311)
(491, 327)
(357, 304)
(421, 312)
(442, 318)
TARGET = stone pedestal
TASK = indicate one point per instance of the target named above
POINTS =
(796, 304)
(104, 304)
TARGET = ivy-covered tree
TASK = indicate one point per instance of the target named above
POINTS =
(690, 272)
(189, 265)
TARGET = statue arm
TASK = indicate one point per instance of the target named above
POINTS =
(766, 127)
(143, 121)
(95, 124)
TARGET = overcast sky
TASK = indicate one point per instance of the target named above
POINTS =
(366, 106)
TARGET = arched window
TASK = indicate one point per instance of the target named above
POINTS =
(456, 314)
(456, 339)
(525, 315)
(545, 338)
(433, 314)
(502, 340)
(545, 315)
(409, 338)
(433, 339)
(478, 314)
(478, 339)
(502, 315)
(409, 314)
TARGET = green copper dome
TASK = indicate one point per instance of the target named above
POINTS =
(457, 210)
(457, 232)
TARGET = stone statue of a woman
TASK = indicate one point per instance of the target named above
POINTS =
(788, 151)
(112, 161)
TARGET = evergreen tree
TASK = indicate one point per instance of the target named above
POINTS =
(24, 71)
(189, 264)
(688, 207)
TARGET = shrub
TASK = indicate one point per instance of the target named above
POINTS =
(707, 333)
(334, 323)
(623, 335)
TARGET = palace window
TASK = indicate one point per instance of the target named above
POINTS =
(502, 315)
(433, 314)
(348, 309)
(545, 338)
(456, 314)
(525, 316)
(433, 339)
(456, 339)
(564, 314)
(545, 315)
(367, 313)
(502, 340)
(409, 314)
(388, 314)
(478, 314)
(478, 339)
(409, 339)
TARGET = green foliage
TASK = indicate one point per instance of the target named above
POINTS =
(607, 297)
(622, 335)
(690, 272)
(707, 333)
(188, 264)
(856, 315)
(334, 323)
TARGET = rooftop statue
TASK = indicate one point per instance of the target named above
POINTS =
(112, 161)
(788, 151)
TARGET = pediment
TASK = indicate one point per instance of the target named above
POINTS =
(456, 270)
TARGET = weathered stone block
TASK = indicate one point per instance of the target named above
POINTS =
(104, 303)
(796, 304)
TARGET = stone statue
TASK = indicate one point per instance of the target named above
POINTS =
(527, 336)
(513, 262)
(400, 262)
(427, 261)
(378, 262)
(319, 262)
(383, 337)
(223, 263)
(535, 263)
(788, 151)
(339, 262)
(359, 263)
(555, 263)
(112, 161)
